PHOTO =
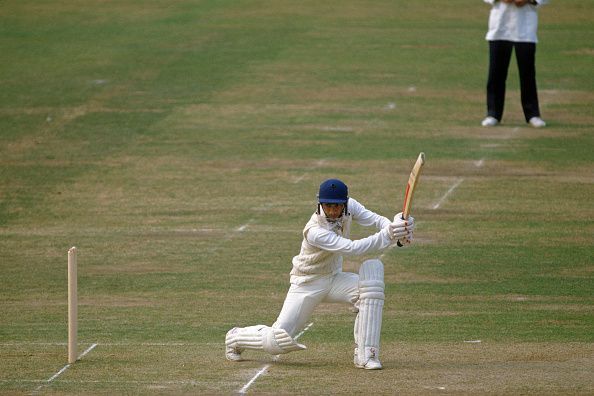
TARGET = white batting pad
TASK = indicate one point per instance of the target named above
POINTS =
(369, 320)
(278, 341)
(261, 338)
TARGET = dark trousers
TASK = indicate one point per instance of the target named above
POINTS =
(499, 58)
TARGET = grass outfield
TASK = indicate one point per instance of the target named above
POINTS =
(179, 145)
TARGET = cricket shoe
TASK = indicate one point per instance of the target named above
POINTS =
(537, 122)
(232, 352)
(489, 122)
(371, 363)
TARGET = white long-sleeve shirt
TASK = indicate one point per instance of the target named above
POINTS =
(512, 23)
(324, 243)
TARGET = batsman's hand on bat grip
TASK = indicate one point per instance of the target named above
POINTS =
(403, 229)
(398, 229)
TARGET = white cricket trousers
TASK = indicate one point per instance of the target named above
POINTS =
(301, 300)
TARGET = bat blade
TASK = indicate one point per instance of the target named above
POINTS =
(413, 180)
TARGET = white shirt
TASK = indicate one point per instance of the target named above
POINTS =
(324, 243)
(511, 23)
(331, 241)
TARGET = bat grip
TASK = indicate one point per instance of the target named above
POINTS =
(398, 243)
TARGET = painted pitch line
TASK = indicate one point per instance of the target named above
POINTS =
(135, 382)
(62, 370)
(134, 344)
(435, 387)
(337, 129)
(245, 388)
(299, 178)
(443, 198)
(230, 235)
(318, 164)
(159, 344)
(33, 343)
(242, 228)
(511, 133)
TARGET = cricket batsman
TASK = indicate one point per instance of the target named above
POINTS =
(317, 277)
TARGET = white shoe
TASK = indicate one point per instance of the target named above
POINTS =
(537, 122)
(232, 352)
(372, 363)
(489, 122)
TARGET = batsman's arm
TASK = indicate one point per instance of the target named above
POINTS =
(332, 242)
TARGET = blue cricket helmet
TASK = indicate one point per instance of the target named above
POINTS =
(333, 191)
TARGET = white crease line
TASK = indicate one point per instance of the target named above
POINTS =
(513, 132)
(63, 369)
(192, 230)
(337, 129)
(133, 344)
(110, 343)
(239, 229)
(159, 344)
(243, 227)
(510, 135)
(491, 145)
(245, 388)
(230, 235)
(164, 344)
(303, 331)
(53, 377)
(33, 343)
(435, 387)
(139, 382)
(299, 178)
(318, 164)
(452, 188)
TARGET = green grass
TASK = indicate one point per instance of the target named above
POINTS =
(147, 133)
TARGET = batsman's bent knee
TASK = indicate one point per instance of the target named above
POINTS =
(371, 280)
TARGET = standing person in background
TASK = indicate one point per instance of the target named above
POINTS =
(512, 26)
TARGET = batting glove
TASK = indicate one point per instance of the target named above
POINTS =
(399, 228)
(403, 229)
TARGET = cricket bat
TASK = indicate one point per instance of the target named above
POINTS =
(413, 180)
